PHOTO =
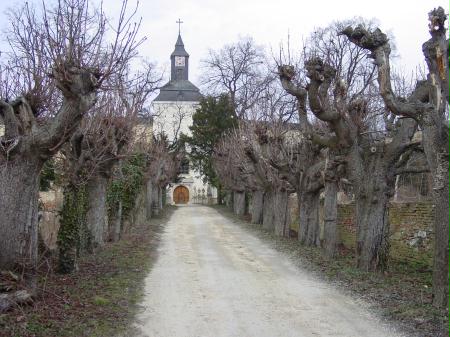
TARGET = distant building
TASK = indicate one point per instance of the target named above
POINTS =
(173, 109)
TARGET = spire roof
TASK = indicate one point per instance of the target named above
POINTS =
(179, 48)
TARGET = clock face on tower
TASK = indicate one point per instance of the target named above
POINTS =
(179, 61)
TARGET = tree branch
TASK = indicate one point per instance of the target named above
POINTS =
(418, 169)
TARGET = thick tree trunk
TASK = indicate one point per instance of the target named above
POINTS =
(268, 211)
(330, 233)
(96, 216)
(19, 186)
(309, 229)
(373, 182)
(72, 225)
(441, 246)
(239, 203)
(437, 148)
(280, 213)
(256, 208)
(372, 223)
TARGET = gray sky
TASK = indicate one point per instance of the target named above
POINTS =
(211, 24)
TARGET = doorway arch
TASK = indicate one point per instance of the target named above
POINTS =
(181, 195)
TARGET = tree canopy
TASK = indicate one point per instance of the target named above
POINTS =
(212, 119)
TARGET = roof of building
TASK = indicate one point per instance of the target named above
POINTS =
(179, 90)
(179, 48)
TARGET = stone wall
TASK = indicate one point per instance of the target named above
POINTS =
(50, 203)
(293, 211)
(411, 224)
(418, 215)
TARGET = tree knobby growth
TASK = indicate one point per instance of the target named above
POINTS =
(59, 59)
(428, 106)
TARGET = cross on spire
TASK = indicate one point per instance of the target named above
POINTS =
(179, 26)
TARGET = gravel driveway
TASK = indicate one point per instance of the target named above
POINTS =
(214, 279)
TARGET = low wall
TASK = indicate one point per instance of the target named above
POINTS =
(411, 224)
(51, 203)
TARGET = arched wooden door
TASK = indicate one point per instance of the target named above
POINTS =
(181, 195)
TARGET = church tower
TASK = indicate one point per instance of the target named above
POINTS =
(173, 109)
(179, 88)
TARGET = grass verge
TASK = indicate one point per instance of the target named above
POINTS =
(100, 299)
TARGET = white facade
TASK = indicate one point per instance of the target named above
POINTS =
(174, 118)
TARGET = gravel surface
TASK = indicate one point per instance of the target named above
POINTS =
(213, 278)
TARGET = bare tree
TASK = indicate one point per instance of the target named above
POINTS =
(428, 106)
(237, 69)
(352, 141)
(88, 160)
(163, 164)
(242, 161)
(231, 172)
(60, 58)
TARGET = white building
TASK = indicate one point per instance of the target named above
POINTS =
(173, 109)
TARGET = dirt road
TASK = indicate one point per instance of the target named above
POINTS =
(214, 279)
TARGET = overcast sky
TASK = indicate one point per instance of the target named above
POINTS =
(209, 24)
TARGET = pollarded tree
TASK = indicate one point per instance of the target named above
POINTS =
(376, 152)
(59, 59)
(428, 106)
(364, 151)
(242, 162)
(87, 165)
(125, 103)
(230, 169)
(261, 147)
(105, 137)
(162, 167)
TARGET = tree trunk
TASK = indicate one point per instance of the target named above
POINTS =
(441, 248)
(160, 197)
(19, 186)
(330, 233)
(219, 194)
(72, 223)
(372, 174)
(229, 200)
(118, 222)
(155, 200)
(268, 211)
(280, 217)
(96, 216)
(149, 199)
(437, 149)
(239, 203)
(374, 184)
(256, 208)
(309, 229)
(435, 143)
(372, 223)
